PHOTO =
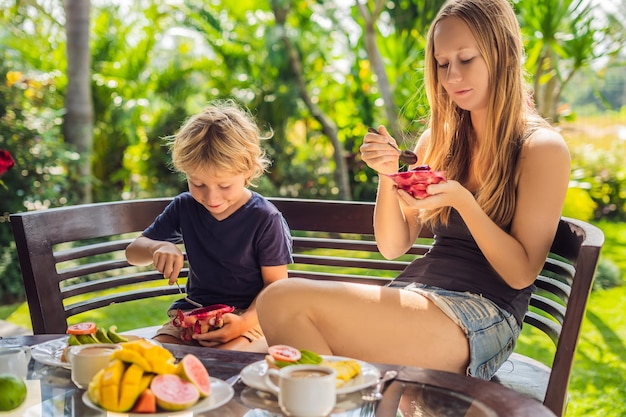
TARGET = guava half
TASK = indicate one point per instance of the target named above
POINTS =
(173, 393)
(191, 369)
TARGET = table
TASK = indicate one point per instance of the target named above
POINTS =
(415, 392)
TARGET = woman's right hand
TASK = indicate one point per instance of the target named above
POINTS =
(377, 154)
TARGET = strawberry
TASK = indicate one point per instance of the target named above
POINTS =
(417, 180)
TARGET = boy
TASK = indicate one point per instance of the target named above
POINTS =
(237, 242)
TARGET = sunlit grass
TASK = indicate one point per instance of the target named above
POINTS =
(614, 243)
(601, 133)
(126, 316)
(598, 384)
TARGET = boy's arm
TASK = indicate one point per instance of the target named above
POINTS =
(165, 256)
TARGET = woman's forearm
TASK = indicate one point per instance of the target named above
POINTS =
(394, 236)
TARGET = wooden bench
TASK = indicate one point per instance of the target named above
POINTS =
(77, 253)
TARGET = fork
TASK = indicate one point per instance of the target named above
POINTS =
(189, 300)
(376, 393)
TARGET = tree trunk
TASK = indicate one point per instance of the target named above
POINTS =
(78, 123)
(378, 66)
(548, 106)
(624, 95)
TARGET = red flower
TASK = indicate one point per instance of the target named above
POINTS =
(6, 161)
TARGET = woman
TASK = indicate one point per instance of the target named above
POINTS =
(460, 307)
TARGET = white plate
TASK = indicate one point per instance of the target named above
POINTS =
(49, 353)
(221, 393)
(253, 376)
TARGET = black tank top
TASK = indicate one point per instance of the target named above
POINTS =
(456, 263)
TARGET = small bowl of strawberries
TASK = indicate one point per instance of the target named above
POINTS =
(416, 181)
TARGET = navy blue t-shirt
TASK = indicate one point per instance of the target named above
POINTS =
(225, 256)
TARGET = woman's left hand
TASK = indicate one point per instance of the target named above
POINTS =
(447, 193)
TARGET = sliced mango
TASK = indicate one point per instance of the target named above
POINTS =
(145, 382)
(151, 357)
(130, 387)
(132, 357)
(163, 368)
(110, 385)
(94, 387)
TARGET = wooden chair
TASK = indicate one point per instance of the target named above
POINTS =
(557, 309)
(79, 250)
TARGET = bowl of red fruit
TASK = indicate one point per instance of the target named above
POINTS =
(416, 180)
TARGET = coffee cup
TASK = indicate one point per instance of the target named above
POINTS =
(87, 360)
(14, 360)
(304, 390)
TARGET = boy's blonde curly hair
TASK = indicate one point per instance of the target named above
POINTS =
(223, 136)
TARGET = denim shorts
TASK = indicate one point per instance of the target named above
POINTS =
(491, 330)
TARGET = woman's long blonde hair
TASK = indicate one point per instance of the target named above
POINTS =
(511, 118)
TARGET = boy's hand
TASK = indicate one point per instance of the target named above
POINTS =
(233, 328)
(168, 260)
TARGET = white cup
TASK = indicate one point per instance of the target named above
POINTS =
(14, 360)
(87, 360)
(304, 390)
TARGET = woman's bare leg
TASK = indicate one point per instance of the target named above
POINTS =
(238, 343)
(371, 323)
(257, 346)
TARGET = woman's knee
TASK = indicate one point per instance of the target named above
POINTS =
(282, 290)
(277, 296)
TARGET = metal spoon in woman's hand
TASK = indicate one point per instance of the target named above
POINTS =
(406, 157)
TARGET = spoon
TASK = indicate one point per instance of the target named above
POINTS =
(406, 157)
(189, 300)
(377, 393)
